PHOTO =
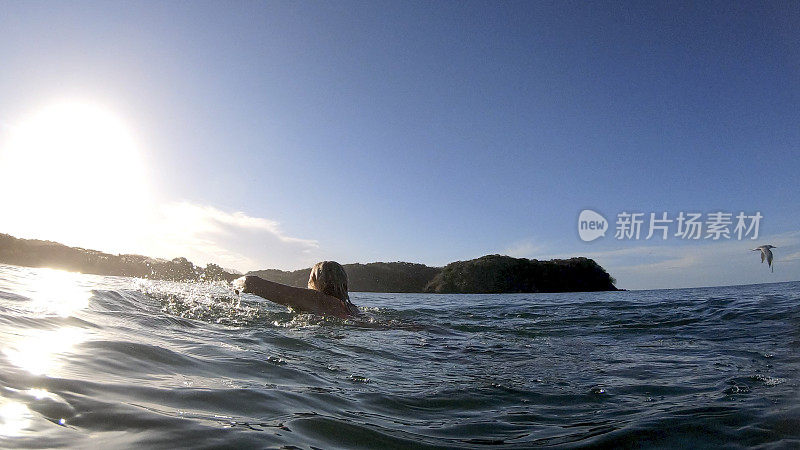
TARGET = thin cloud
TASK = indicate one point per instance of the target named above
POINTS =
(790, 257)
(524, 249)
(686, 264)
(703, 264)
(237, 240)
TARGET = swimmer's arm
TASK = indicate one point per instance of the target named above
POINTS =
(307, 300)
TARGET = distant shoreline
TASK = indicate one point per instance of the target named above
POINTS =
(491, 274)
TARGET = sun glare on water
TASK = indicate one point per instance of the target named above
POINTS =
(14, 418)
(72, 172)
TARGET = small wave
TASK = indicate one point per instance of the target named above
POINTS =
(768, 381)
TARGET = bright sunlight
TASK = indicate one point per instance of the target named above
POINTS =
(72, 172)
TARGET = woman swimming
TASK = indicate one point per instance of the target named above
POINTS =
(326, 293)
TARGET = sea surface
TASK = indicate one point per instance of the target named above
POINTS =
(110, 362)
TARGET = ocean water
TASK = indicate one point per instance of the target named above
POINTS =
(108, 362)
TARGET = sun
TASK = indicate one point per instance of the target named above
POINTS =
(72, 172)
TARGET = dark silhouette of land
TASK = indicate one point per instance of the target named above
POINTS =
(36, 253)
(487, 274)
(497, 273)
(372, 277)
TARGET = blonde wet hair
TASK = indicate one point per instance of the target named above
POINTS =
(329, 278)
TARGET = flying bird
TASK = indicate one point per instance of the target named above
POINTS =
(766, 253)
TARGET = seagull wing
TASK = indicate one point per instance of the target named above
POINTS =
(763, 254)
(769, 257)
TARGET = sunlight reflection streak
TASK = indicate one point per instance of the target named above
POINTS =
(14, 418)
(43, 352)
(58, 292)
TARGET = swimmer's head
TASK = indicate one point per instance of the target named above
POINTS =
(329, 278)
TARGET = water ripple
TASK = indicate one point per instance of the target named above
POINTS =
(137, 363)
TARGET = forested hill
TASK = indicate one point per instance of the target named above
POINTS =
(497, 274)
(36, 253)
(372, 277)
(488, 274)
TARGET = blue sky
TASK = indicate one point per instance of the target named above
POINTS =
(432, 131)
